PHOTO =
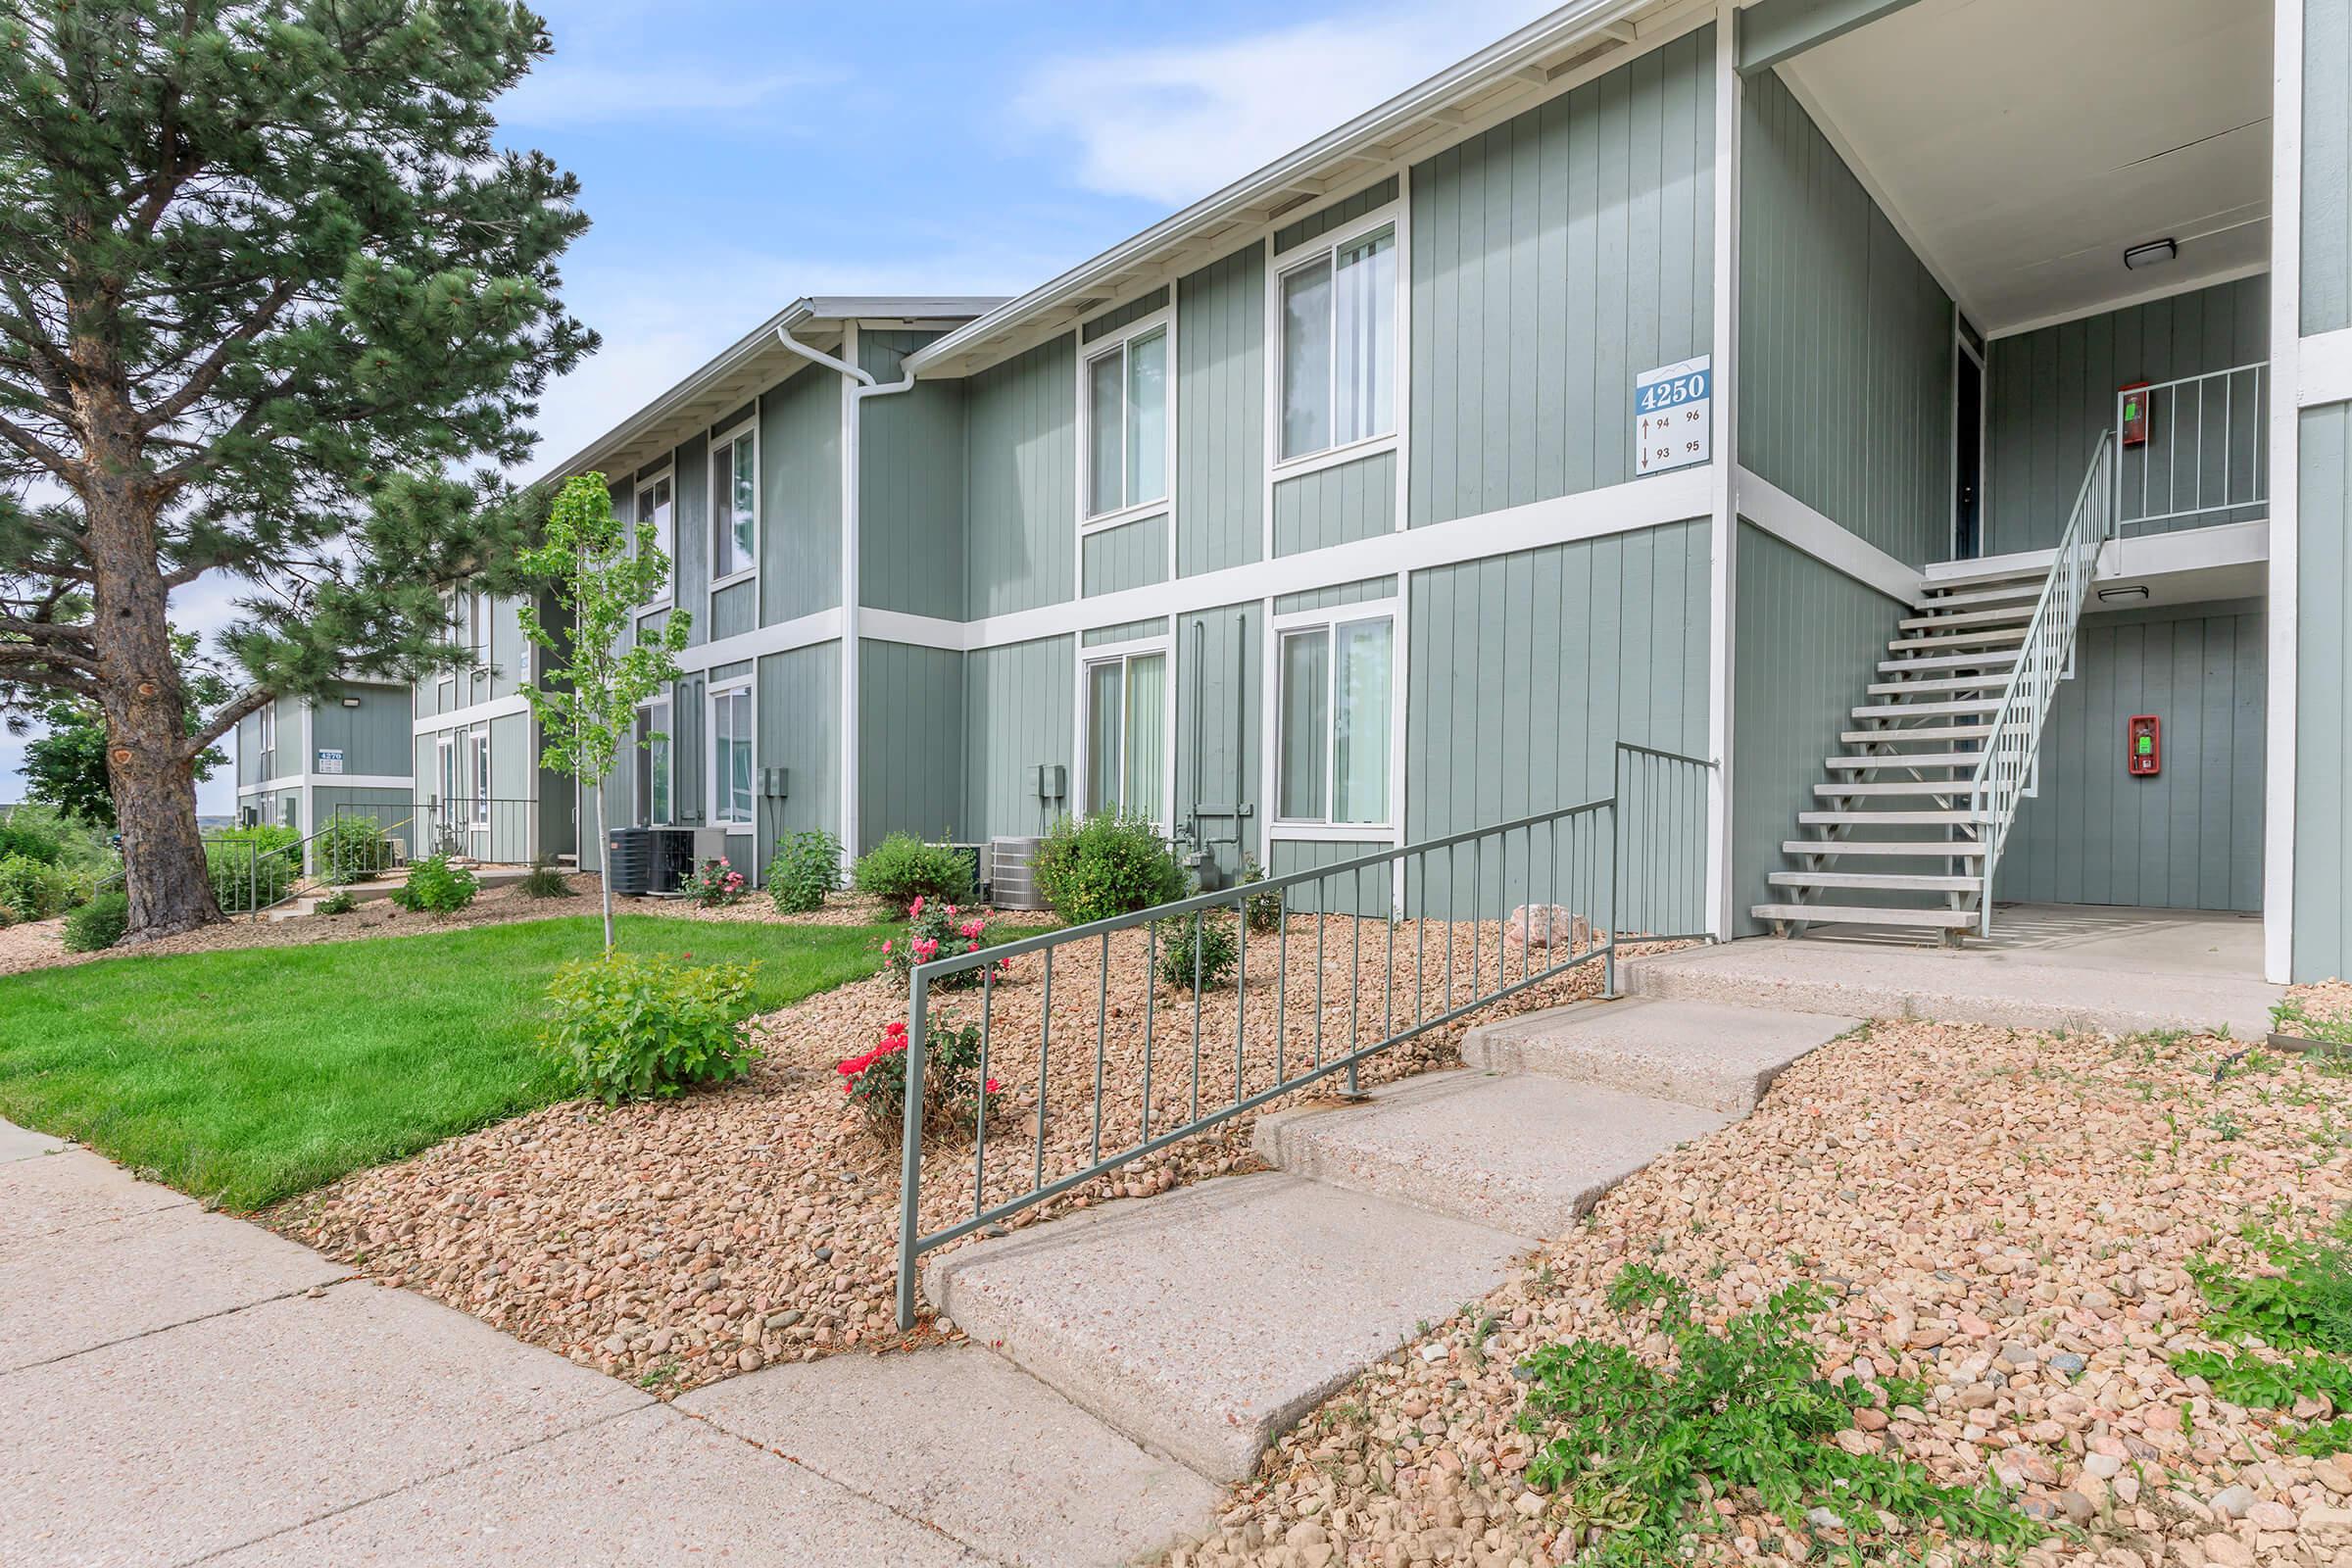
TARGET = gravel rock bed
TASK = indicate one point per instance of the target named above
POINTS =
(675, 1244)
(2007, 1217)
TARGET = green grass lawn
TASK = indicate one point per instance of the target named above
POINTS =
(258, 1073)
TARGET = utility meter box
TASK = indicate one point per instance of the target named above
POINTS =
(1053, 781)
(776, 783)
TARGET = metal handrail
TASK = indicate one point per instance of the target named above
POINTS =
(2046, 658)
(1582, 863)
(2173, 418)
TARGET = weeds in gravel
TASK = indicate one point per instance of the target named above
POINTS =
(2300, 1313)
(1637, 1449)
(2290, 1017)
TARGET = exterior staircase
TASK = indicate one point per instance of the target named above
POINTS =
(1908, 826)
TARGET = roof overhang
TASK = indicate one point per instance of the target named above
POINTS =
(1500, 80)
(745, 368)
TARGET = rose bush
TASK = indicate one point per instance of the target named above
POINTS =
(936, 930)
(952, 1088)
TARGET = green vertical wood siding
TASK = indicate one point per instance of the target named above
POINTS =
(2190, 838)
(1018, 702)
(1808, 639)
(1135, 310)
(2051, 393)
(911, 735)
(1126, 631)
(1845, 341)
(1134, 555)
(688, 728)
(690, 517)
(2323, 920)
(1221, 413)
(1338, 596)
(1021, 480)
(800, 496)
(1324, 221)
(372, 737)
(734, 610)
(2327, 241)
(910, 486)
(1220, 674)
(1367, 891)
(1337, 504)
(798, 705)
(1555, 257)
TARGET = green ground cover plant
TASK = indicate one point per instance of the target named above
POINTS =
(2287, 1330)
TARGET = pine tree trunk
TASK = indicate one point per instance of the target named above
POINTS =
(148, 764)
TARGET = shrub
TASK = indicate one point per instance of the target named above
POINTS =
(544, 881)
(632, 1026)
(1261, 910)
(903, 868)
(24, 834)
(1107, 864)
(339, 901)
(248, 873)
(806, 868)
(349, 849)
(1204, 936)
(953, 1090)
(99, 923)
(713, 882)
(34, 890)
(435, 886)
(939, 930)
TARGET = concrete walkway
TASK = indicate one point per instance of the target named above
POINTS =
(178, 1386)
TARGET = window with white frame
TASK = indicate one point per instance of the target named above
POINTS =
(734, 505)
(265, 725)
(1127, 734)
(1332, 730)
(654, 770)
(481, 778)
(731, 757)
(1338, 372)
(655, 505)
(1127, 423)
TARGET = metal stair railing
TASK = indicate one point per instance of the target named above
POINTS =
(2013, 748)
(1368, 952)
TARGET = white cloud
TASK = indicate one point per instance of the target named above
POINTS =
(1174, 123)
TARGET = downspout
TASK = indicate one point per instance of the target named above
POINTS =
(861, 385)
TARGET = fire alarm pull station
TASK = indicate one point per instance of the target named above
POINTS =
(2135, 413)
(2145, 758)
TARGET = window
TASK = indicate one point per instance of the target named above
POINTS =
(1127, 424)
(653, 507)
(1127, 735)
(734, 507)
(731, 757)
(264, 723)
(1332, 747)
(1338, 346)
(481, 778)
(652, 764)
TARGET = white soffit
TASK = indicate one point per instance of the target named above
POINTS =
(2021, 144)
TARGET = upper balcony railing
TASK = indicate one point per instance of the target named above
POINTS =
(2194, 452)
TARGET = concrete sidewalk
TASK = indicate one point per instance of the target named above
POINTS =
(178, 1386)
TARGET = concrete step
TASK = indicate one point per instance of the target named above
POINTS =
(1203, 1322)
(1901, 759)
(1999, 637)
(1926, 851)
(1926, 735)
(1719, 1058)
(1880, 881)
(1887, 818)
(1857, 914)
(1991, 657)
(1951, 709)
(1848, 791)
(1969, 618)
(1525, 1156)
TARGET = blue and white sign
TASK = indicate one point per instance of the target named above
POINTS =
(1674, 415)
(330, 758)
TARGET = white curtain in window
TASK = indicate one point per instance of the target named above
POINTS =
(1106, 711)
(1106, 483)
(1359, 723)
(1148, 418)
(734, 507)
(1306, 359)
(745, 521)
(1147, 737)
(1365, 338)
(1306, 728)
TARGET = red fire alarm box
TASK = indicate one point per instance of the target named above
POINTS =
(2144, 745)
(2134, 413)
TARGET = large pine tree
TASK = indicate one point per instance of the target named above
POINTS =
(268, 290)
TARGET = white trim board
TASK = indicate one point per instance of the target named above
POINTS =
(2324, 370)
(477, 713)
(1781, 514)
(2286, 453)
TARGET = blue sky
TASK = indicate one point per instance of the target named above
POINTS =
(735, 156)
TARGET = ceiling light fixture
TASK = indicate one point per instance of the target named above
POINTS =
(2109, 595)
(2155, 253)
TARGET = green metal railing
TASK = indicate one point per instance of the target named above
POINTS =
(1419, 935)
(252, 875)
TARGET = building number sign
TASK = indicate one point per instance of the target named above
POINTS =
(1674, 415)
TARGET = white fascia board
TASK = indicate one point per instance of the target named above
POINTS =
(1357, 139)
(1780, 513)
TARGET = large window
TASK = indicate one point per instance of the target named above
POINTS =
(1338, 346)
(1127, 735)
(1332, 744)
(734, 507)
(264, 725)
(653, 507)
(731, 757)
(652, 764)
(1127, 423)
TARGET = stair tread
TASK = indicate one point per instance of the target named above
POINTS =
(1971, 596)
(1894, 786)
(1523, 1157)
(1908, 848)
(1926, 733)
(1890, 818)
(1888, 881)
(1955, 705)
(1968, 618)
(2010, 636)
(1999, 655)
(1939, 683)
(1863, 915)
(1865, 764)
(1700, 1053)
(2039, 570)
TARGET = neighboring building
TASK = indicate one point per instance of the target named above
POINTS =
(481, 790)
(1315, 516)
(302, 762)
